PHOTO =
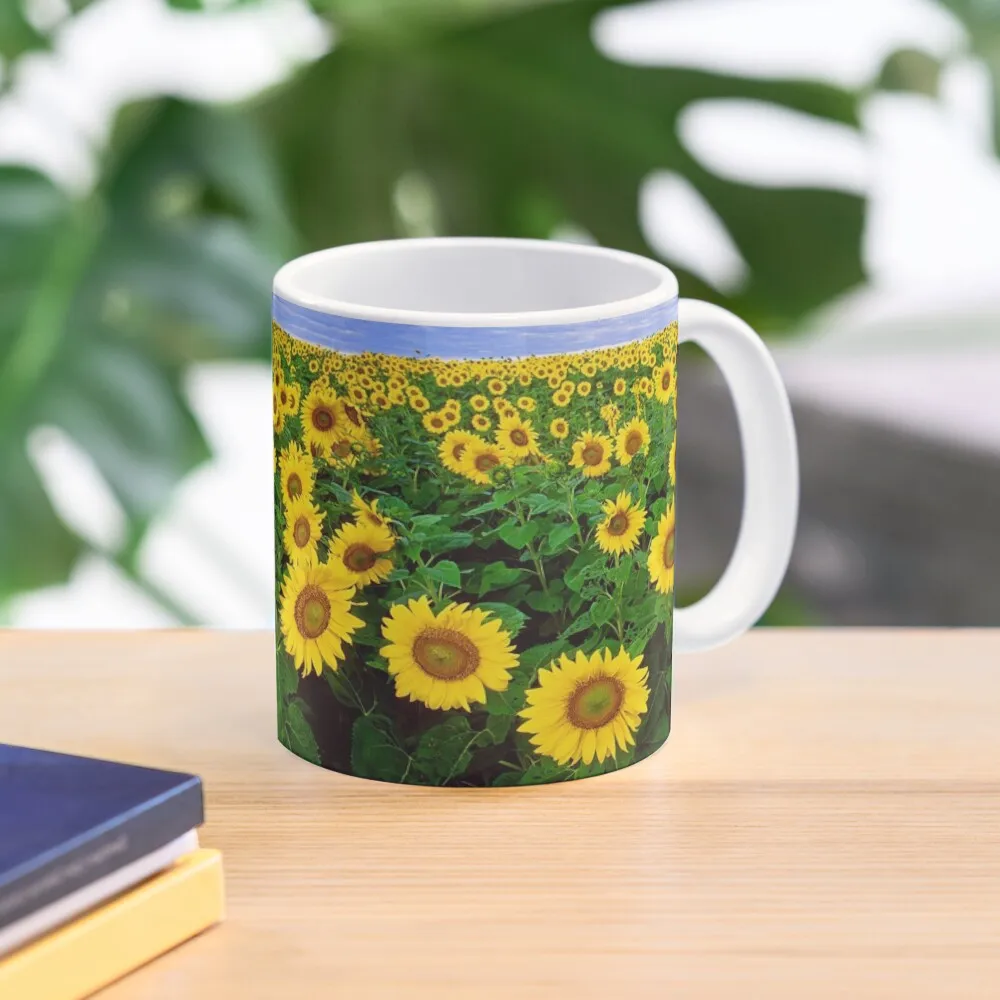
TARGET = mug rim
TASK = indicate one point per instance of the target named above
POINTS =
(289, 287)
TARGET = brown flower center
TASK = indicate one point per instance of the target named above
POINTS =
(593, 453)
(360, 557)
(342, 449)
(665, 379)
(668, 550)
(323, 418)
(519, 437)
(294, 485)
(458, 450)
(618, 524)
(595, 703)
(486, 462)
(302, 532)
(312, 611)
(633, 442)
(445, 654)
(352, 414)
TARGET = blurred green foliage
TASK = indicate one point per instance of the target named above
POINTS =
(449, 116)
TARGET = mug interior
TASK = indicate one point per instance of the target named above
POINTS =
(475, 280)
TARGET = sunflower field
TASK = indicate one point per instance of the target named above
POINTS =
(474, 561)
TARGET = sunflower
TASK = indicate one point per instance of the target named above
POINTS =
(516, 436)
(297, 472)
(367, 512)
(619, 387)
(661, 554)
(292, 398)
(481, 423)
(435, 421)
(323, 421)
(645, 386)
(413, 390)
(586, 707)
(479, 403)
(583, 389)
(554, 380)
(357, 547)
(664, 383)
(381, 400)
(452, 414)
(559, 428)
(589, 369)
(526, 403)
(592, 454)
(632, 439)
(560, 397)
(623, 523)
(672, 461)
(497, 386)
(342, 454)
(610, 415)
(480, 458)
(452, 448)
(316, 619)
(303, 529)
(568, 387)
(441, 379)
(314, 366)
(447, 660)
(420, 402)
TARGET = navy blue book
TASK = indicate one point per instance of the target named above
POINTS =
(66, 822)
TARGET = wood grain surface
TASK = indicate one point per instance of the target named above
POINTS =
(824, 822)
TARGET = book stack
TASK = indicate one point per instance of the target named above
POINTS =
(100, 871)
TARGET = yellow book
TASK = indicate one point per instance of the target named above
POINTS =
(113, 940)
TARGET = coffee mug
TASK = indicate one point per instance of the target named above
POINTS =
(475, 502)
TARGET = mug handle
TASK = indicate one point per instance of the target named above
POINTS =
(771, 480)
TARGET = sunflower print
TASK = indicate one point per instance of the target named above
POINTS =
(621, 526)
(633, 439)
(586, 707)
(359, 549)
(303, 530)
(316, 617)
(479, 556)
(661, 554)
(452, 448)
(592, 454)
(447, 660)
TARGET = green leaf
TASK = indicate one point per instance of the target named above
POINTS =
(105, 302)
(297, 734)
(445, 572)
(579, 624)
(588, 564)
(539, 503)
(426, 520)
(556, 539)
(498, 576)
(517, 536)
(513, 122)
(374, 750)
(498, 726)
(287, 676)
(543, 654)
(448, 542)
(445, 751)
(543, 771)
(511, 619)
(602, 611)
(17, 35)
(550, 602)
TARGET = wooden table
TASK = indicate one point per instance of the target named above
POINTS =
(824, 822)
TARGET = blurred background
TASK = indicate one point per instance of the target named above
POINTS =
(826, 168)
